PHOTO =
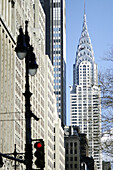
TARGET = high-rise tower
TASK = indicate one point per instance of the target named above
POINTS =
(59, 57)
(56, 49)
(85, 104)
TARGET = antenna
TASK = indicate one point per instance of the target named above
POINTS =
(84, 8)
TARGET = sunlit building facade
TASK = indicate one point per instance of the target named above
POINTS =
(12, 76)
(12, 86)
(54, 134)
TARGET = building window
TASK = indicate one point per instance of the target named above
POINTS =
(71, 166)
(71, 158)
(75, 151)
(66, 151)
(67, 166)
(71, 144)
(66, 145)
(56, 5)
(67, 158)
(75, 165)
(71, 151)
(75, 158)
(75, 144)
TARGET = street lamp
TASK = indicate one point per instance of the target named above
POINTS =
(25, 50)
(21, 48)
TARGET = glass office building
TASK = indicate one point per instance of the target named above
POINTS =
(56, 49)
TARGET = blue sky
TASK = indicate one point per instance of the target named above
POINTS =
(99, 15)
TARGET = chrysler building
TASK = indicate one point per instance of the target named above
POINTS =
(85, 101)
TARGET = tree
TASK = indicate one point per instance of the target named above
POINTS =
(106, 84)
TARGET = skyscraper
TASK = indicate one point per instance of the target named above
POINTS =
(56, 49)
(59, 57)
(85, 104)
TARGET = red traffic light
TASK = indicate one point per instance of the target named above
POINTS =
(39, 154)
(39, 145)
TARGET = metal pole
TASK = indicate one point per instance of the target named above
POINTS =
(15, 154)
(27, 94)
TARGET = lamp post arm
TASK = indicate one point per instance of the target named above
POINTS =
(12, 158)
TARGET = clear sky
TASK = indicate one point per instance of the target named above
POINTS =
(99, 16)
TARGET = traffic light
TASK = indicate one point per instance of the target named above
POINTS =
(39, 154)
(1, 162)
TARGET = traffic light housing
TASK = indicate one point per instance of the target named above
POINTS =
(1, 162)
(39, 154)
